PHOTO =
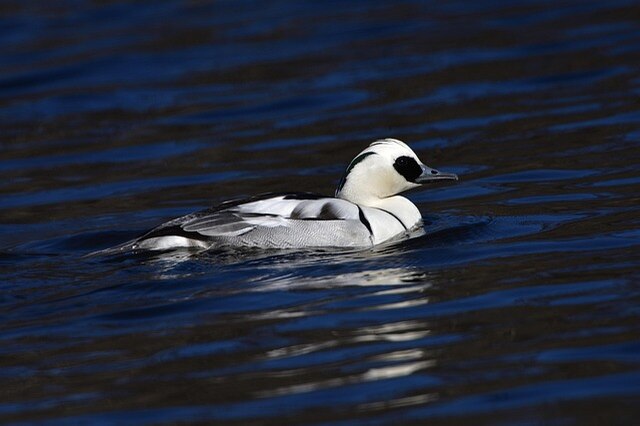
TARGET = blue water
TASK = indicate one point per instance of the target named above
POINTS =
(519, 305)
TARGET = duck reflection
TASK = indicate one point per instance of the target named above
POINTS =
(362, 349)
(347, 319)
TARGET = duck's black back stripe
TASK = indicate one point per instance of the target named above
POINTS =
(396, 217)
(265, 196)
(304, 196)
(364, 220)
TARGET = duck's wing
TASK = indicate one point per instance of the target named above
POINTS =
(237, 218)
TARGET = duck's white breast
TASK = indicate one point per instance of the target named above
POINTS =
(384, 225)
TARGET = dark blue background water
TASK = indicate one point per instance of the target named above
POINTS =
(519, 305)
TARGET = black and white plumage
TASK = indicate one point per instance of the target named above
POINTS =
(365, 211)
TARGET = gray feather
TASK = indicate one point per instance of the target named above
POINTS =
(274, 222)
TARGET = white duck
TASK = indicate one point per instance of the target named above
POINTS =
(365, 211)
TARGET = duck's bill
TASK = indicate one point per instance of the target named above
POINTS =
(431, 175)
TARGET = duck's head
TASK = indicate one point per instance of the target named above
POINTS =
(386, 168)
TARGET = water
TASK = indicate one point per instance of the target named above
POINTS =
(519, 305)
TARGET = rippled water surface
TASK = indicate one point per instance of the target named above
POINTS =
(520, 304)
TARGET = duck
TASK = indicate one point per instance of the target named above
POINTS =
(366, 210)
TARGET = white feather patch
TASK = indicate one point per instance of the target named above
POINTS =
(169, 242)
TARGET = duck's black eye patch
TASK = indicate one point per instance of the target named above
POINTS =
(408, 167)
